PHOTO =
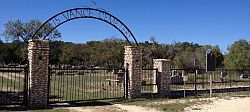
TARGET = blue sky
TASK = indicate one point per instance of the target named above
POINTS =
(214, 22)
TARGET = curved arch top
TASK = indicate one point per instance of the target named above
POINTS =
(93, 13)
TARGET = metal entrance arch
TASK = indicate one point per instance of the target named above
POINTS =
(77, 13)
(70, 84)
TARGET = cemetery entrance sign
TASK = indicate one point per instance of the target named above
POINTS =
(75, 83)
(93, 13)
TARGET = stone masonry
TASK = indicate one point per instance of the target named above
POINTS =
(38, 56)
(163, 76)
(133, 60)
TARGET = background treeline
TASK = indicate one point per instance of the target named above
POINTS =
(110, 53)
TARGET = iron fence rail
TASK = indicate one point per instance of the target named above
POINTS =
(198, 79)
(149, 80)
(69, 85)
(13, 85)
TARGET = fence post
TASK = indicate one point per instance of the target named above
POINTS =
(203, 78)
(195, 80)
(126, 81)
(155, 88)
(163, 76)
(230, 78)
(25, 95)
(38, 56)
(133, 61)
(49, 76)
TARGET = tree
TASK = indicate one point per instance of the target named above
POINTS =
(190, 55)
(238, 55)
(4, 53)
(8, 54)
(55, 52)
(185, 58)
(107, 53)
(218, 55)
(152, 40)
(18, 30)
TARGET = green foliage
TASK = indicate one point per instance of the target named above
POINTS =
(193, 56)
(238, 55)
(105, 53)
(12, 53)
(109, 53)
(185, 58)
(55, 51)
(23, 31)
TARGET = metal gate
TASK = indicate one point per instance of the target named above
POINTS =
(13, 85)
(69, 84)
(149, 81)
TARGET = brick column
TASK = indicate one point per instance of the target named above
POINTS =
(163, 76)
(38, 56)
(133, 61)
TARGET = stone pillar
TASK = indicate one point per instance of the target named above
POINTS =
(38, 56)
(133, 61)
(163, 76)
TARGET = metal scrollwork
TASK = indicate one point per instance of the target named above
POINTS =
(98, 14)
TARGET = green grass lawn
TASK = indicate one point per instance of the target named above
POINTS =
(11, 82)
(86, 86)
(51, 110)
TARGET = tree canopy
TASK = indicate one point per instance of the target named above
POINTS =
(238, 55)
(109, 52)
(23, 31)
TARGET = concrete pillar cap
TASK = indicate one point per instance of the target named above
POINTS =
(161, 59)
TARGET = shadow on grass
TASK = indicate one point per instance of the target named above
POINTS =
(10, 100)
(205, 93)
(174, 95)
(53, 106)
(78, 104)
(11, 97)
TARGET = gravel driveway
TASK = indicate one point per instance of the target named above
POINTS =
(233, 104)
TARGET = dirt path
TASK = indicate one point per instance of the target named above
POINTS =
(133, 108)
(113, 108)
(215, 104)
(234, 104)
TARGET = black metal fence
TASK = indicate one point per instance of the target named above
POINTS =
(74, 84)
(198, 79)
(149, 82)
(13, 85)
